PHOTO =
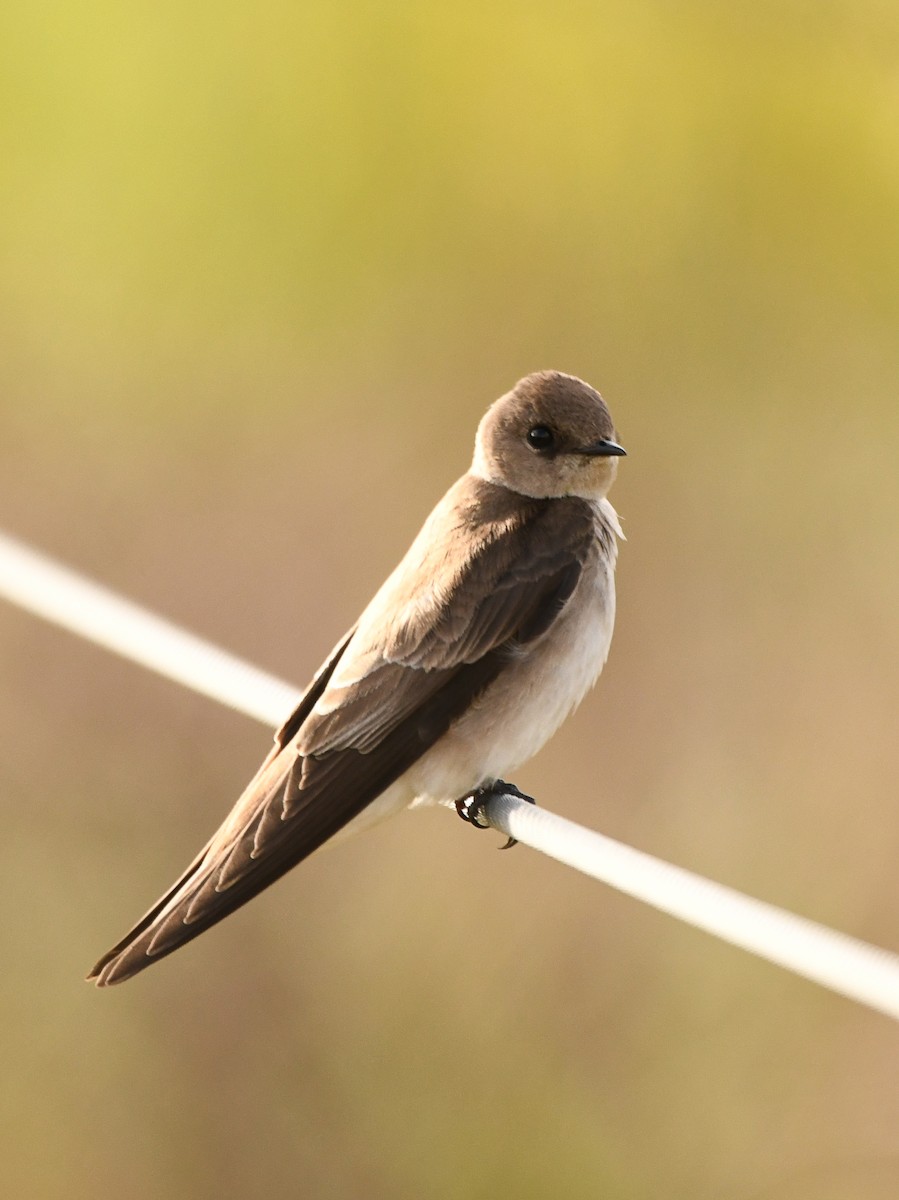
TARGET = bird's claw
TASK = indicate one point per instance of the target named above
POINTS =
(470, 807)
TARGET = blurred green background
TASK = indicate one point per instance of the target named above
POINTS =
(261, 269)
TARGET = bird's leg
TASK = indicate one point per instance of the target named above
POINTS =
(470, 807)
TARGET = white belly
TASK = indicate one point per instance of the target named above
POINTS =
(522, 709)
(527, 704)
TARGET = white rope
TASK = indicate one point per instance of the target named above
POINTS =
(844, 964)
(60, 595)
(850, 967)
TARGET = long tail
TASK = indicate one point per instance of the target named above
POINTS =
(200, 898)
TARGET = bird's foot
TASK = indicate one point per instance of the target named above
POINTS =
(470, 807)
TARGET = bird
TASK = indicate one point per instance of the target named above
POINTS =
(492, 628)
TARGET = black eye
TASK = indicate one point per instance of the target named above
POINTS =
(541, 438)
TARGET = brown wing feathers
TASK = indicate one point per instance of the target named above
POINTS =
(509, 594)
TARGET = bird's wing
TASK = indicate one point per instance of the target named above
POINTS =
(388, 692)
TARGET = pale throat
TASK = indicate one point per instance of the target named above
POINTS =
(591, 483)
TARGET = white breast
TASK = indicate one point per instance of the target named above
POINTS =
(532, 697)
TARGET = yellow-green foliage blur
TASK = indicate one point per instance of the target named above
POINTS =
(262, 267)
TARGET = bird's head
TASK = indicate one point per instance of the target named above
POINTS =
(551, 436)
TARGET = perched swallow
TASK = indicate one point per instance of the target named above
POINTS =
(489, 632)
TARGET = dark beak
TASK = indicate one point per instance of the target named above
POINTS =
(603, 449)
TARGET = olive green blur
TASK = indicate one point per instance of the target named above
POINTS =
(262, 268)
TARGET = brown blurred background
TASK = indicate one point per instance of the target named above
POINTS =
(261, 270)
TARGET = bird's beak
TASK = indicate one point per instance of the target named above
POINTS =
(601, 449)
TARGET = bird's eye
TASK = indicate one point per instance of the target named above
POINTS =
(541, 438)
